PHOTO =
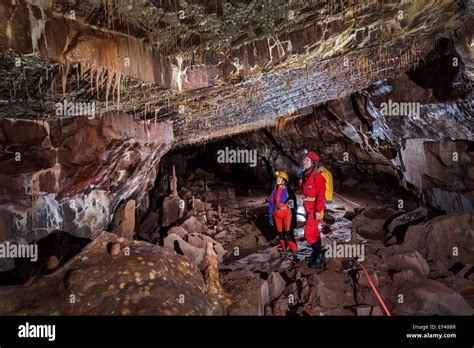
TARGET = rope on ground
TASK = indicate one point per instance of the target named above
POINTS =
(374, 289)
(346, 200)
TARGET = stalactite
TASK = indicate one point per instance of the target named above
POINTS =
(119, 76)
(64, 73)
(102, 78)
(91, 79)
(97, 76)
(78, 86)
(107, 88)
(114, 86)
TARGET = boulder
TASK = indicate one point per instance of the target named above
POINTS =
(124, 220)
(281, 307)
(368, 310)
(194, 225)
(180, 231)
(447, 238)
(181, 247)
(266, 260)
(401, 223)
(201, 240)
(172, 210)
(424, 296)
(148, 226)
(465, 287)
(438, 270)
(405, 275)
(371, 222)
(407, 260)
(276, 285)
(201, 206)
(334, 290)
(248, 293)
(148, 280)
(362, 278)
(350, 182)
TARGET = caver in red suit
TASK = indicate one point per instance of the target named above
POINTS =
(313, 185)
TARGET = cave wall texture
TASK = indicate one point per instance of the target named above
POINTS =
(280, 76)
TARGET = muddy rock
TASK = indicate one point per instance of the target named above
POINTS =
(334, 290)
(180, 231)
(201, 240)
(263, 261)
(438, 270)
(150, 280)
(447, 238)
(400, 224)
(181, 247)
(276, 285)
(371, 222)
(124, 220)
(281, 307)
(363, 281)
(201, 206)
(369, 311)
(405, 275)
(247, 293)
(172, 210)
(148, 226)
(465, 287)
(350, 182)
(409, 259)
(193, 224)
(427, 297)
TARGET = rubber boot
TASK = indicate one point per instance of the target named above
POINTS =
(283, 248)
(318, 258)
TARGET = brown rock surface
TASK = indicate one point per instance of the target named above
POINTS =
(148, 280)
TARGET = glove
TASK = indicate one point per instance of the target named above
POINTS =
(270, 220)
(299, 171)
(317, 215)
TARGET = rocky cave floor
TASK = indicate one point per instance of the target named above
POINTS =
(407, 254)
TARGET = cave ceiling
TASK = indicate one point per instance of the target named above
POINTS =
(212, 68)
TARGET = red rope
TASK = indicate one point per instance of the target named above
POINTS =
(375, 289)
(311, 309)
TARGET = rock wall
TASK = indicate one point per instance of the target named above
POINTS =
(72, 174)
(426, 145)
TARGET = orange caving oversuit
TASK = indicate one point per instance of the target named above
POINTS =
(279, 208)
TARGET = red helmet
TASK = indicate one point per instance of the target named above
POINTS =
(313, 156)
